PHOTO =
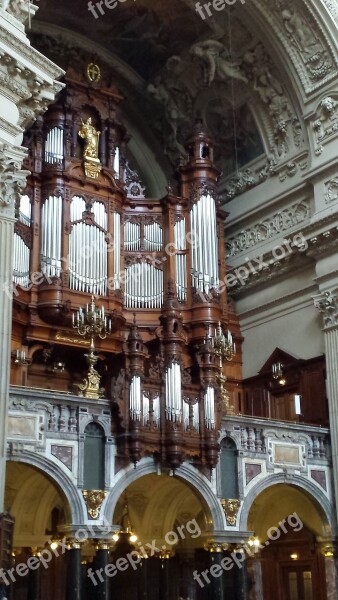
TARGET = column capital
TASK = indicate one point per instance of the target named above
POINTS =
(327, 304)
(12, 177)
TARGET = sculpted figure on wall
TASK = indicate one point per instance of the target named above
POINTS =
(304, 35)
(270, 90)
(215, 65)
(326, 122)
(300, 33)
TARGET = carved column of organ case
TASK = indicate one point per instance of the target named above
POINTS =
(155, 266)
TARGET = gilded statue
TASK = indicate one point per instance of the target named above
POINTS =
(91, 137)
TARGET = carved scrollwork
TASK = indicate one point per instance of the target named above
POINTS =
(281, 221)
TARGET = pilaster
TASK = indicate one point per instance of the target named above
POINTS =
(28, 86)
(327, 304)
(12, 181)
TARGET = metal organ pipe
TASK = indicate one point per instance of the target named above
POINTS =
(21, 262)
(117, 251)
(132, 237)
(88, 249)
(54, 146)
(153, 237)
(145, 409)
(204, 246)
(180, 260)
(143, 286)
(51, 216)
(209, 408)
(117, 162)
(186, 410)
(173, 394)
(135, 398)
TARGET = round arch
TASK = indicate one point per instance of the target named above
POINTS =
(198, 483)
(65, 486)
(318, 498)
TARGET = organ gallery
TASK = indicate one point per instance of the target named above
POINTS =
(168, 332)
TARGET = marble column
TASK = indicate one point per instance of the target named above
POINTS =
(74, 572)
(327, 304)
(241, 582)
(164, 579)
(217, 575)
(33, 589)
(101, 562)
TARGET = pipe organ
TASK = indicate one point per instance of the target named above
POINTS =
(154, 265)
(54, 146)
(204, 244)
(51, 223)
(88, 247)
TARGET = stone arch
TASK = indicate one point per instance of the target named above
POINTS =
(319, 499)
(63, 483)
(188, 475)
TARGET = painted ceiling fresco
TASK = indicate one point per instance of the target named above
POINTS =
(144, 33)
(183, 68)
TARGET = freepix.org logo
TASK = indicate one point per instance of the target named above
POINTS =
(99, 9)
(209, 8)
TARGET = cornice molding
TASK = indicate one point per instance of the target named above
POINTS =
(38, 60)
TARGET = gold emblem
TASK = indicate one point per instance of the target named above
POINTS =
(93, 73)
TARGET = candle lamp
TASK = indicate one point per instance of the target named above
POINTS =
(91, 323)
(225, 349)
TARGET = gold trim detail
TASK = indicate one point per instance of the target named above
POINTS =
(94, 500)
(231, 508)
(62, 337)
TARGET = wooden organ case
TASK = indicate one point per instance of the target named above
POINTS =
(157, 267)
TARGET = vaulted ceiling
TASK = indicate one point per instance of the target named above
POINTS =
(247, 71)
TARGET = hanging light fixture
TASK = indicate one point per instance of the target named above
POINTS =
(126, 530)
(277, 373)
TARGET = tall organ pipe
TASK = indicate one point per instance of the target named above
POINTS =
(204, 245)
(51, 217)
(173, 387)
(209, 408)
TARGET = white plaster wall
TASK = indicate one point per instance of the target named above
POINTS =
(298, 332)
